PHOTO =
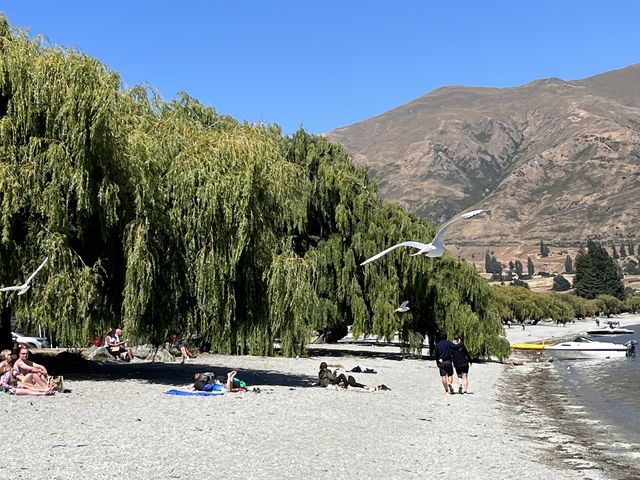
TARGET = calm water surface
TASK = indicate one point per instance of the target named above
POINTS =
(609, 389)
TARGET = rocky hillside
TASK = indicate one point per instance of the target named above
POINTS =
(553, 160)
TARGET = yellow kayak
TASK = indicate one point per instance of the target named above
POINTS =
(527, 346)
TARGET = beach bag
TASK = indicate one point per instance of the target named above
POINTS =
(57, 383)
(237, 383)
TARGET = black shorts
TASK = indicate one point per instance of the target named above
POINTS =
(446, 368)
(462, 369)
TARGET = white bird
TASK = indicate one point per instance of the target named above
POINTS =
(26, 285)
(433, 249)
(404, 307)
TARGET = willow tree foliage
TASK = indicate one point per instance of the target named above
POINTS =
(63, 182)
(162, 216)
(521, 304)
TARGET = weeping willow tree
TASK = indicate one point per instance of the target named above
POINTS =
(351, 224)
(63, 186)
(522, 304)
(166, 215)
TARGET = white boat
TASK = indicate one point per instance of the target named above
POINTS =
(585, 347)
(610, 331)
(612, 328)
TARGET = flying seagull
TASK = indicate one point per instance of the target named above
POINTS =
(26, 285)
(433, 249)
(404, 307)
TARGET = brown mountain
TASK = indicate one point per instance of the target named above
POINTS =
(553, 160)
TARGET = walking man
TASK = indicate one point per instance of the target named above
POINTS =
(443, 360)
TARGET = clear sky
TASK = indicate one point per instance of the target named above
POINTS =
(328, 64)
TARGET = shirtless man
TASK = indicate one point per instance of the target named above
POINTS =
(32, 371)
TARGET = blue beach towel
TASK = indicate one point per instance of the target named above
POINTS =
(191, 393)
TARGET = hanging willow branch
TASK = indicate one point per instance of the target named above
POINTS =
(166, 215)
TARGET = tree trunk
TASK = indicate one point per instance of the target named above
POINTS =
(5, 329)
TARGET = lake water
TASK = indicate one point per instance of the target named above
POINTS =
(609, 389)
(584, 413)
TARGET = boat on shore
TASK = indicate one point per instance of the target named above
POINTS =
(528, 346)
(585, 347)
(612, 328)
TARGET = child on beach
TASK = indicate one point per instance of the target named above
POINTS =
(6, 361)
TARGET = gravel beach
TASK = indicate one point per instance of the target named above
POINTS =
(117, 421)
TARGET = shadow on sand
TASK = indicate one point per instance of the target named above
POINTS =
(74, 367)
(183, 374)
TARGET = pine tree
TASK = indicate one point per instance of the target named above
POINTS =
(568, 264)
(544, 250)
(614, 253)
(487, 263)
(530, 268)
(631, 247)
(623, 252)
(560, 284)
(596, 273)
(497, 266)
(518, 267)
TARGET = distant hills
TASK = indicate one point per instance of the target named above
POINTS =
(553, 160)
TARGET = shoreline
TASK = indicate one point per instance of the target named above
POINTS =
(118, 415)
(548, 411)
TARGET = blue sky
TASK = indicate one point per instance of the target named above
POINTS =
(328, 64)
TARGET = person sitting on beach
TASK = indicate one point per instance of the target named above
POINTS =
(29, 371)
(445, 367)
(207, 382)
(326, 378)
(176, 342)
(115, 346)
(461, 360)
(10, 384)
(7, 361)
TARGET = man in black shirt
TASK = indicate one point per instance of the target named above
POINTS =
(443, 360)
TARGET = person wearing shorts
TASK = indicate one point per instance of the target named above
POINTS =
(461, 360)
(443, 360)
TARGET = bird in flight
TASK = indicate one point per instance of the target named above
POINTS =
(404, 307)
(26, 285)
(433, 249)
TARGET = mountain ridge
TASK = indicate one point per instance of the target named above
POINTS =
(551, 159)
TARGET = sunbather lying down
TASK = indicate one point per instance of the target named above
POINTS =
(207, 382)
(327, 378)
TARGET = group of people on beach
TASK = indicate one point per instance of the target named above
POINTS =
(120, 350)
(117, 346)
(21, 376)
(449, 356)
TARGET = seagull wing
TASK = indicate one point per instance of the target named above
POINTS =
(417, 245)
(36, 271)
(9, 289)
(437, 240)
(404, 304)
(24, 289)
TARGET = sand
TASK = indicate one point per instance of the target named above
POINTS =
(117, 422)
